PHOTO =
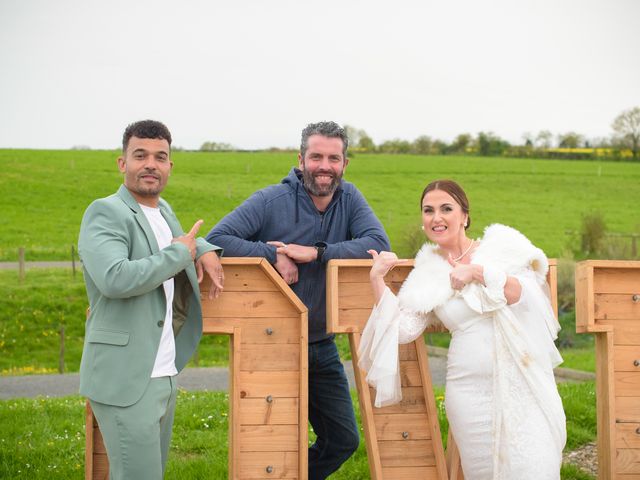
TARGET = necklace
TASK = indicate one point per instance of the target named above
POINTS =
(465, 252)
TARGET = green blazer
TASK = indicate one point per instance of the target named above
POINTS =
(123, 271)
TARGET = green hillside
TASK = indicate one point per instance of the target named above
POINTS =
(44, 193)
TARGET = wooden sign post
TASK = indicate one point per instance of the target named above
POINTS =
(268, 432)
(403, 440)
(608, 305)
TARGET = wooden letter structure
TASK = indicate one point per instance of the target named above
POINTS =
(608, 305)
(268, 432)
(403, 440)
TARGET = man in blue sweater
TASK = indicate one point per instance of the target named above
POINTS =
(298, 225)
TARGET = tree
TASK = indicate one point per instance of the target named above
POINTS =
(461, 143)
(527, 138)
(570, 140)
(358, 138)
(422, 145)
(353, 134)
(216, 147)
(397, 145)
(543, 139)
(490, 144)
(627, 130)
(366, 142)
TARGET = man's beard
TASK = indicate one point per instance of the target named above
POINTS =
(313, 188)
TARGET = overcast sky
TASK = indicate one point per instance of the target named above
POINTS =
(253, 73)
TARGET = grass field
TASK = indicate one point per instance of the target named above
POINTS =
(44, 438)
(44, 193)
(32, 312)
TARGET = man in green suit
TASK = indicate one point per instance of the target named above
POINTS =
(141, 272)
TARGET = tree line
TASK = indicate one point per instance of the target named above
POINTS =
(624, 143)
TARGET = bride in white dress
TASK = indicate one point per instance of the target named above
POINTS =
(501, 398)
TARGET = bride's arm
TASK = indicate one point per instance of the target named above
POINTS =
(463, 274)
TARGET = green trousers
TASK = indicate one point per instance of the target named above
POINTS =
(137, 437)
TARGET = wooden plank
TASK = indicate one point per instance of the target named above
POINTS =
(628, 409)
(366, 408)
(360, 273)
(234, 401)
(261, 384)
(454, 467)
(628, 435)
(626, 358)
(98, 442)
(268, 438)
(269, 357)
(615, 280)
(333, 317)
(410, 374)
(260, 330)
(605, 404)
(353, 319)
(627, 384)
(616, 307)
(392, 427)
(584, 297)
(432, 411)
(240, 278)
(100, 466)
(412, 401)
(626, 332)
(256, 465)
(552, 281)
(353, 300)
(407, 351)
(409, 473)
(250, 305)
(303, 385)
(627, 460)
(89, 440)
(261, 411)
(409, 453)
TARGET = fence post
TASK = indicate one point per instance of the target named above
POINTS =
(21, 266)
(61, 359)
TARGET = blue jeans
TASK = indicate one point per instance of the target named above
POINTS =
(330, 411)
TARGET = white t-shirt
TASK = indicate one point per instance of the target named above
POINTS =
(165, 364)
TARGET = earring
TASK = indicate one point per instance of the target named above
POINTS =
(421, 227)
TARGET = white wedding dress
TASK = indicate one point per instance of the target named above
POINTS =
(501, 399)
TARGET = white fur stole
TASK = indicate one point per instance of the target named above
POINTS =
(502, 247)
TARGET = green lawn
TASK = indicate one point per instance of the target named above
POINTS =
(44, 193)
(32, 312)
(44, 438)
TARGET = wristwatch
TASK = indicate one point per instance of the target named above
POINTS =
(320, 248)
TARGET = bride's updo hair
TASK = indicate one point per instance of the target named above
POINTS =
(453, 189)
